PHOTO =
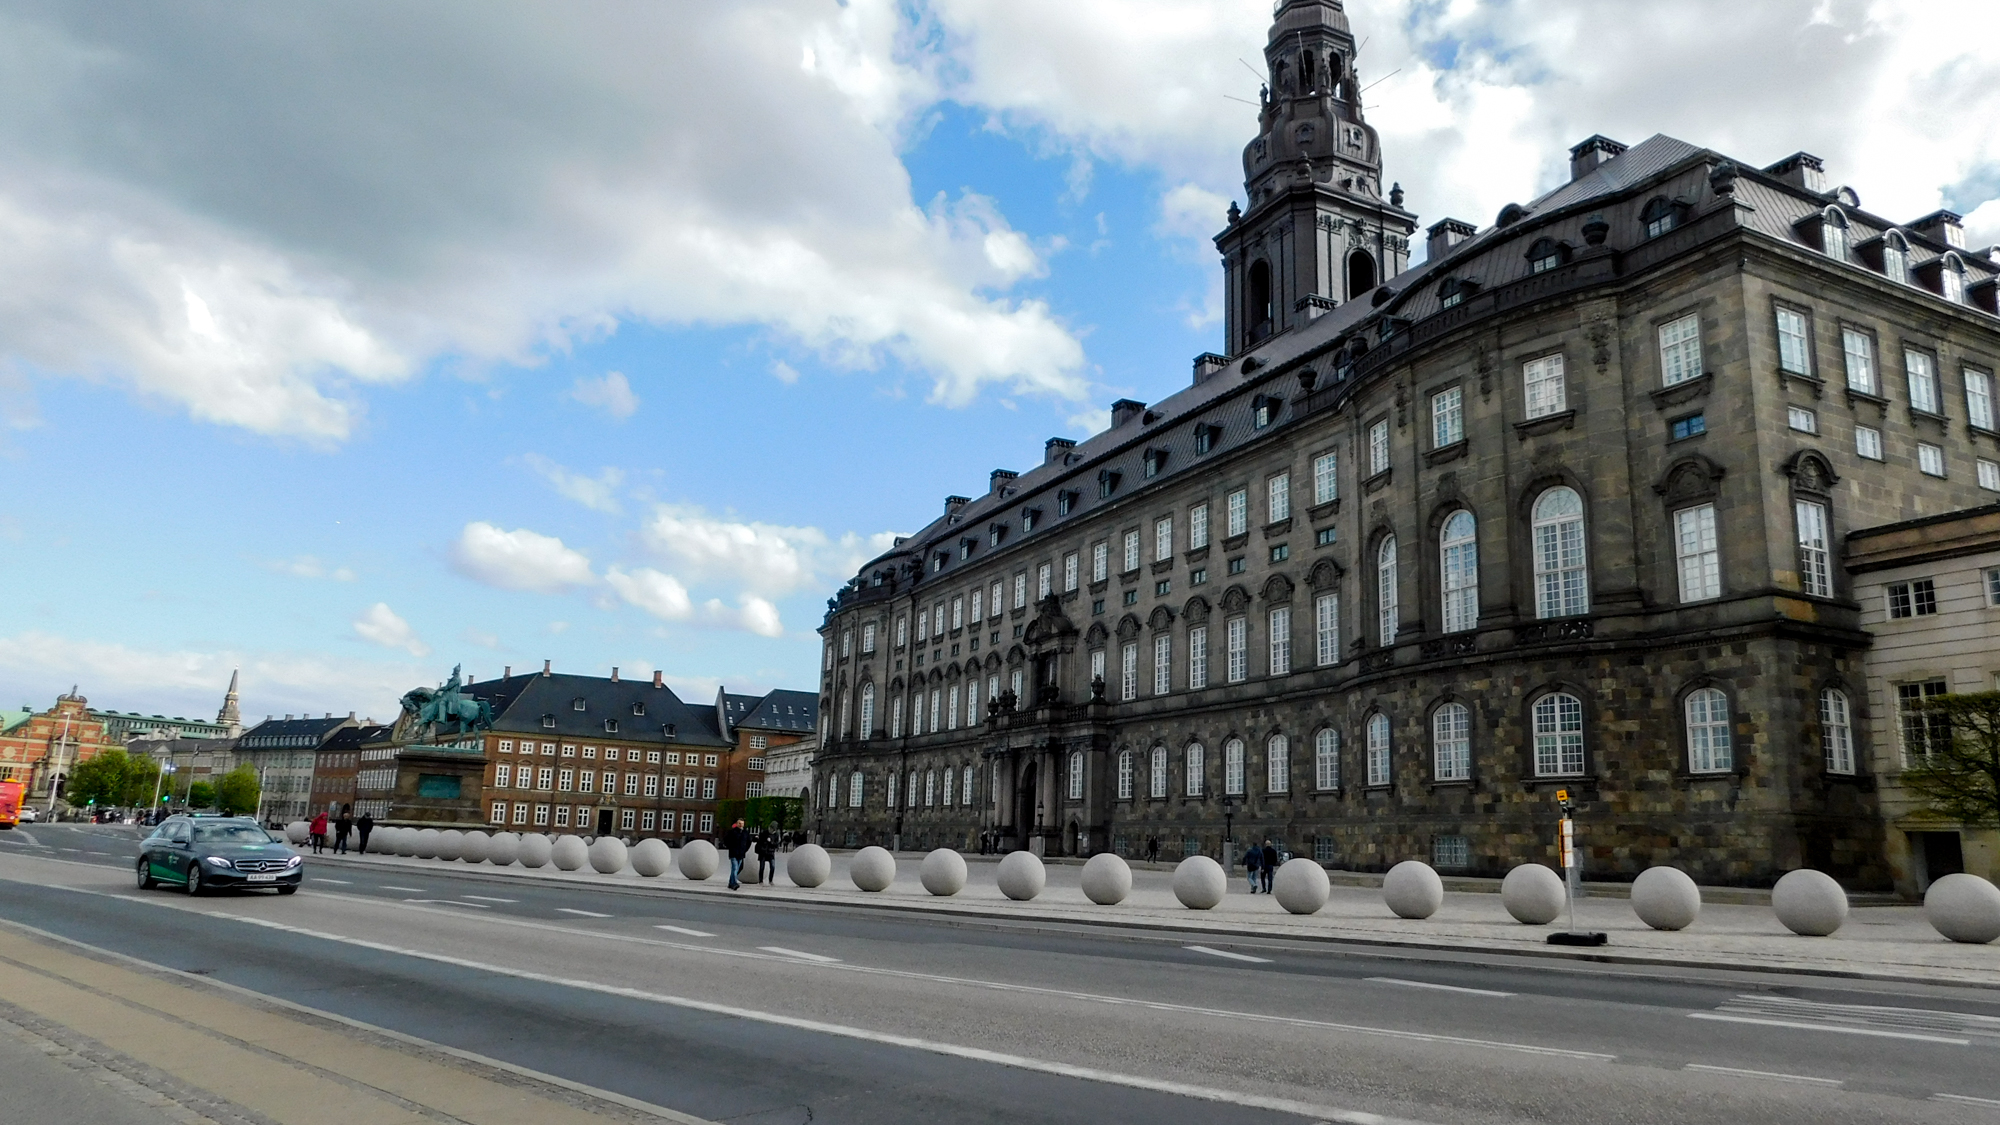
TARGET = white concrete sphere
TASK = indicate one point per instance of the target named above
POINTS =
(943, 873)
(426, 845)
(534, 850)
(406, 841)
(1301, 886)
(393, 841)
(1200, 883)
(298, 832)
(808, 866)
(1809, 902)
(1412, 889)
(872, 869)
(1964, 908)
(1665, 898)
(450, 844)
(1533, 894)
(503, 848)
(382, 841)
(1107, 879)
(652, 857)
(608, 855)
(697, 860)
(472, 847)
(569, 853)
(1022, 875)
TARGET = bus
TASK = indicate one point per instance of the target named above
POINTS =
(13, 794)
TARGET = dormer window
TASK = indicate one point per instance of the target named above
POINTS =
(576, 704)
(1264, 410)
(611, 726)
(1951, 279)
(1833, 238)
(938, 561)
(995, 533)
(1066, 501)
(875, 579)
(1895, 258)
(1545, 255)
(1029, 517)
(965, 547)
(638, 708)
(1107, 483)
(1660, 216)
(670, 730)
(1155, 460)
(1205, 436)
(1451, 292)
(548, 722)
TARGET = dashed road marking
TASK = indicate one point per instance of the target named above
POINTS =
(1961, 1099)
(448, 902)
(485, 898)
(800, 954)
(684, 930)
(1766, 1075)
(1797, 1025)
(1437, 987)
(580, 913)
(1227, 954)
(324, 879)
(410, 890)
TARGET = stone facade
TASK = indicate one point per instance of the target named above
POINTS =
(1562, 506)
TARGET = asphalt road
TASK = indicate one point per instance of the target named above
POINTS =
(740, 1010)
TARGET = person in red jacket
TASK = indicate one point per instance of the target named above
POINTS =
(319, 833)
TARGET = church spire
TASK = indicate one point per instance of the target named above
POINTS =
(230, 716)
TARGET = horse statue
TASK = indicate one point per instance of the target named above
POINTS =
(448, 704)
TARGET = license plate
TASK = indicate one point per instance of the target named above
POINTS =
(263, 878)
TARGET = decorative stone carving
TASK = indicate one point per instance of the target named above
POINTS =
(1533, 894)
(1200, 882)
(1022, 875)
(1413, 890)
(943, 873)
(1301, 886)
(1665, 898)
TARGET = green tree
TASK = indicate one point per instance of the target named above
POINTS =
(1958, 778)
(201, 795)
(236, 793)
(113, 777)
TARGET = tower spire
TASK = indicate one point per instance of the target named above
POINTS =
(231, 716)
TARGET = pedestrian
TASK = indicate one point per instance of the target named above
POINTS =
(363, 827)
(319, 833)
(737, 841)
(1253, 858)
(341, 828)
(1269, 866)
(1152, 849)
(767, 864)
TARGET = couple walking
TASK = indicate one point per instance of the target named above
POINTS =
(341, 828)
(738, 842)
(1260, 863)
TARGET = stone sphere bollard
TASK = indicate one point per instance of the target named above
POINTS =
(607, 855)
(943, 873)
(1533, 894)
(427, 843)
(872, 869)
(472, 847)
(697, 860)
(503, 848)
(569, 853)
(406, 842)
(652, 857)
(1413, 890)
(1964, 908)
(1809, 903)
(808, 866)
(1022, 875)
(535, 850)
(450, 844)
(382, 841)
(1301, 886)
(1107, 879)
(298, 832)
(1665, 898)
(1200, 882)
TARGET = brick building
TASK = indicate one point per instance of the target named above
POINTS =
(762, 730)
(40, 746)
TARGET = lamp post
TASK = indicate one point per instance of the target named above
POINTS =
(1228, 829)
(55, 775)
(159, 783)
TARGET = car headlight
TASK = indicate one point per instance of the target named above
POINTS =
(294, 861)
(217, 861)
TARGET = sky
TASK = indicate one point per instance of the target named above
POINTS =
(346, 343)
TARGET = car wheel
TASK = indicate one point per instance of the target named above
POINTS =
(146, 880)
(194, 881)
(288, 888)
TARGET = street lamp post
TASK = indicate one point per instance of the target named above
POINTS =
(55, 775)
(1228, 829)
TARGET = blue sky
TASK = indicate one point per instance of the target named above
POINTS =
(345, 344)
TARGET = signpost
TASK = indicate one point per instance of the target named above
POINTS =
(1572, 865)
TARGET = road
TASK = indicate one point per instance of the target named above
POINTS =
(746, 1011)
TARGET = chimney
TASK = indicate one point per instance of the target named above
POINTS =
(508, 674)
(1447, 233)
(545, 668)
(329, 714)
(1584, 158)
(953, 503)
(659, 678)
(1208, 364)
(1124, 410)
(1942, 226)
(1055, 449)
(614, 673)
(350, 714)
(999, 478)
(1801, 170)
(288, 716)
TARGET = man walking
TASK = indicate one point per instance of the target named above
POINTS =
(1253, 858)
(364, 826)
(1269, 866)
(341, 828)
(767, 852)
(737, 841)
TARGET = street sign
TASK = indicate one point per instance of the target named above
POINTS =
(1568, 843)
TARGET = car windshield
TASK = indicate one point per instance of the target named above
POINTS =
(230, 834)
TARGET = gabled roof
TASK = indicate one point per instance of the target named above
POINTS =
(354, 737)
(794, 712)
(272, 733)
(641, 711)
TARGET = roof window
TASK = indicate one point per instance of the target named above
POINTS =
(577, 704)
(1107, 483)
(1546, 254)
(1660, 216)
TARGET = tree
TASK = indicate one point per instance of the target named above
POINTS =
(1958, 778)
(112, 777)
(201, 795)
(236, 793)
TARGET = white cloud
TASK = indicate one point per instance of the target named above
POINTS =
(769, 560)
(598, 493)
(785, 372)
(481, 637)
(1089, 422)
(308, 566)
(380, 624)
(611, 394)
(519, 559)
(666, 598)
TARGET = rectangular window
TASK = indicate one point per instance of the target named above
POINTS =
(1836, 731)
(1326, 479)
(1694, 425)
(499, 813)
(520, 812)
(1278, 765)
(1792, 345)
(562, 816)
(997, 598)
(1447, 418)
(937, 618)
(923, 626)
(1020, 589)
(1281, 640)
(868, 637)
(1546, 392)
(1197, 658)
(1325, 536)
(568, 780)
(1163, 664)
(1281, 552)
(1378, 448)
(708, 818)
(978, 611)
(1930, 459)
(958, 613)
(1923, 733)
(1858, 348)
(648, 821)
(1163, 587)
(1197, 527)
(1278, 502)
(1868, 442)
(1198, 576)
(1378, 750)
(1044, 580)
(1978, 398)
(506, 746)
(1680, 350)
(1802, 419)
(1238, 648)
(1100, 562)
(1232, 768)
(1992, 579)
(1913, 599)
(1922, 374)
(1696, 554)
(1239, 512)
(1128, 672)
(1989, 474)
(502, 776)
(545, 778)
(1815, 556)
(1131, 552)
(951, 715)
(1450, 853)
(652, 785)
(1163, 539)
(1326, 760)
(625, 818)
(1326, 629)
(1070, 564)
(1096, 664)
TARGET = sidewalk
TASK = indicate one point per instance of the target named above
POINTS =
(1880, 942)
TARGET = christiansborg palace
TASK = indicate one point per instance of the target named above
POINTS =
(1566, 505)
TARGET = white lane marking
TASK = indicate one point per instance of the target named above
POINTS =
(1833, 1028)
(324, 879)
(1437, 987)
(951, 1050)
(1963, 1100)
(1766, 1075)
(581, 913)
(411, 890)
(448, 902)
(69, 849)
(1227, 954)
(800, 954)
(685, 930)
(487, 898)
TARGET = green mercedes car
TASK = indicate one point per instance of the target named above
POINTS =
(201, 853)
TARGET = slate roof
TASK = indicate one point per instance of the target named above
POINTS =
(355, 737)
(795, 712)
(642, 712)
(274, 734)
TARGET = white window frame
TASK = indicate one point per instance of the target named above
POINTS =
(1326, 478)
(1802, 419)
(1378, 448)
(1195, 766)
(1197, 657)
(1557, 722)
(1815, 550)
(1857, 348)
(1836, 731)
(1697, 553)
(1277, 765)
(1458, 571)
(1128, 671)
(1131, 553)
(1326, 629)
(1930, 459)
(1280, 624)
(1544, 386)
(1100, 560)
(1278, 498)
(1232, 767)
(1447, 417)
(1070, 575)
(1988, 473)
(1920, 372)
(1868, 443)
(1163, 664)
(1125, 775)
(1705, 712)
(1197, 527)
(1163, 539)
(1077, 768)
(1680, 350)
(1562, 556)
(1157, 773)
(1978, 397)
(1381, 747)
(1326, 760)
(1794, 342)
(1451, 742)
(1238, 507)
(1237, 646)
(1388, 613)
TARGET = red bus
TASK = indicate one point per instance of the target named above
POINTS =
(12, 795)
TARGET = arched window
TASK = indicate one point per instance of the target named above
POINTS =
(1708, 732)
(1076, 775)
(854, 784)
(1895, 258)
(1833, 237)
(1124, 775)
(1451, 738)
(1260, 298)
(846, 713)
(1836, 731)
(1378, 749)
(950, 787)
(1458, 566)
(1450, 293)
(896, 718)
(1562, 578)
(912, 801)
(1232, 767)
(1278, 764)
(1360, 273)
(1326, 759)
(889, 794)
(1196, 768)
(1951, 279)
(930, 788)
(1158, 788)
(1558, 719)
(1387, 620)
(965, 793)
(1545, 255)
(868, 710)
(1660, 216)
